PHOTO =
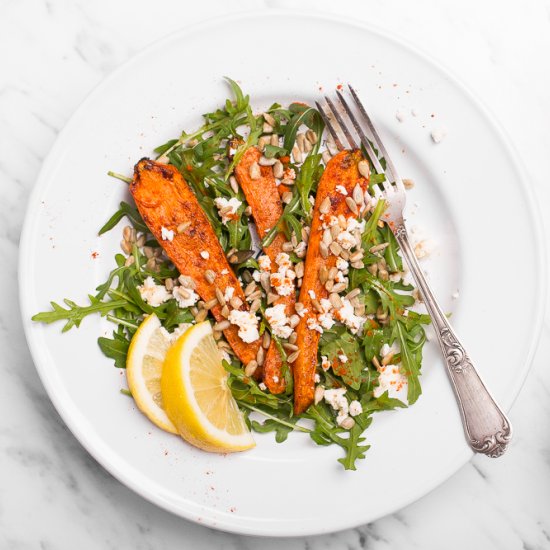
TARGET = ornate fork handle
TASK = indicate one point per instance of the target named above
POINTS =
(487, 428)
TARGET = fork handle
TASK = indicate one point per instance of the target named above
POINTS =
(487, 428)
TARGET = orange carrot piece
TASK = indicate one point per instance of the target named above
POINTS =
(263, 198)
(164, 200)
(342, 171)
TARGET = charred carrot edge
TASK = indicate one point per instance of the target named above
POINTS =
(342, 171)
(164, 200)
(263, 198)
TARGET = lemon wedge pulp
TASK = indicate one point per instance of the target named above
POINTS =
(196, 396)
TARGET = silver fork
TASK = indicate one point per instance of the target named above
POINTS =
(487, 428)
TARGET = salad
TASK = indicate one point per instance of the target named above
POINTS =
(258, 288)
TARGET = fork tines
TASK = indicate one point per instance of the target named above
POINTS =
(334, 119)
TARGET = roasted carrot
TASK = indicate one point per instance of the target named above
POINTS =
(263, 198)
(340, 171)
(164, 200)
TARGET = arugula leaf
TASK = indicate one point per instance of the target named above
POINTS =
(351, 370)
(376, 178)
(115, 348)
(270, 425)
(241, 101)
(326, 432)
(371, 227)
(74, 314)
(130, 212)
(307, 181)
(104, 287)
(161, 149)
(303, 114)
(391, 255)
(271, 151)
(411, 359)
(382, 403)
(355, 450)
(374, 339)
(120, 177)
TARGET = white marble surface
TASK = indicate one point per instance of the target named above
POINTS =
(53, 495)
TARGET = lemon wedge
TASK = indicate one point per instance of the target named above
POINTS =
(196, 396)
(144, 368)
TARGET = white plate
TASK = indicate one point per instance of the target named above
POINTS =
(471, 199)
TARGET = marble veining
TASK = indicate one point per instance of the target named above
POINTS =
(53, 494)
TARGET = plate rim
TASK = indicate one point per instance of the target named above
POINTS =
(96, 448)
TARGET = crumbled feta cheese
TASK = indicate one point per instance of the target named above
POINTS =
(278, 321)
(185, 296)
(282, 280)
(152, 293)
(317, 378)
(224, 271)
(282, 284)
(346, 240)
(265, 263)
(355, 408)
(343, 358)
(326, 305)
(313, 324)
(353, 224)
(205, 254)
(438, 135)
(347, 316)
(283, 260)
(325, 363)
(340, 278)
(247, 323)
(342, 190)
(166, 234)
(336, 398)
(385, 349)
(256, 275)
(326, 320)
(228, 294)
(312, 294)
(229, 207)
(262, 386)
(289, 175)
(333, 220)
(275, 379)
(342, 265)
(391, 379)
